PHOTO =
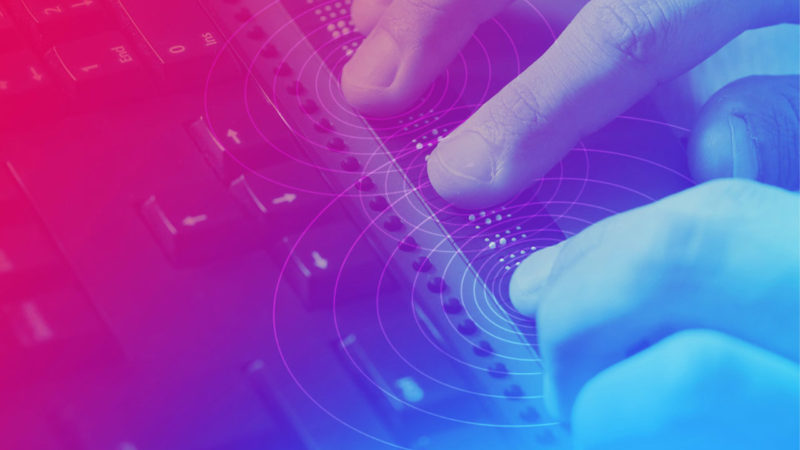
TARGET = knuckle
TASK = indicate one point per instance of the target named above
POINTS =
(635, 29)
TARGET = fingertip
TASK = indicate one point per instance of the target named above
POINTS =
(369, 78)
(367, 13)
(722, 146)
(530, 277)
(749, 130)
(463, 170)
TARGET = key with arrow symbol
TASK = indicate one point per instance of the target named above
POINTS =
(285, 198)
(234, 136)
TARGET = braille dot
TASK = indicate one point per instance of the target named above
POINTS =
(437, 285)
(409, 244)
(365, 184)
(453, 306)
(483, 349)
(513, 392)
(467, 328)
(296, 88)
(498, 370)
(351, 164)
(337, 144)
(393, 223)
(530, 415)
(310, 106)
(379, 204)
(422, 264)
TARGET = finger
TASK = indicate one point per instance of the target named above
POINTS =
(612, 54)
(721, 256)
(749, 129)
(694, 390)
(412, 43)
(366, 13)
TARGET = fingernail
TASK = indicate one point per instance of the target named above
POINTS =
(744, 156)
(460, 164)
(530, 277)
(376, 62)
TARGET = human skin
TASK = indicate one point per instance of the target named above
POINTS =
(674, 325)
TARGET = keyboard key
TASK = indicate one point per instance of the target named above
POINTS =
(29, 263)
(179, 38)
(248, 134)
(9, 39)
(285, 202)
(320, 268)
(53, 334)
(100, 68)
(235, 150)
(27, 90)
(12, 201)
(58, 20)
(395, 388)
(194, 226)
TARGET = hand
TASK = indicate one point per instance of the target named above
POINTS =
(611, 54)
(674, 325)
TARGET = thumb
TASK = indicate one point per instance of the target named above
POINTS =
(749, 129)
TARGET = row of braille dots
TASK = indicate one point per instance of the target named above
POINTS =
(422, 264)
(413, 121)
(468, 328)
(429, 142)
(501, 240)
(483, 348)
(426, 142)
(452, 306)
(339, 22)
(437, 285)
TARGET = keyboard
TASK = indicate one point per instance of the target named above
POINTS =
(202, 246)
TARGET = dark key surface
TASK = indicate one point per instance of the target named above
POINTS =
(280, 208)
(198, 224)
(9, 38)
(51, 21)
(27, 89)
(178, 38)
(99, 69)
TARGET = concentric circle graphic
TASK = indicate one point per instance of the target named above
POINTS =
(400, 293)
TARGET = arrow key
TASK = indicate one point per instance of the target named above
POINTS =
(27, 90)
(233, 147)
(280, 208)
(320, 267)
(9, 38)
(99, 68)
(58, 20)
(198, 225)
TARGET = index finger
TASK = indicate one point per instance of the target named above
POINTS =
(612, 54)
(412, 42)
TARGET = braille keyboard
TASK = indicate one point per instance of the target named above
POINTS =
(203, 246)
